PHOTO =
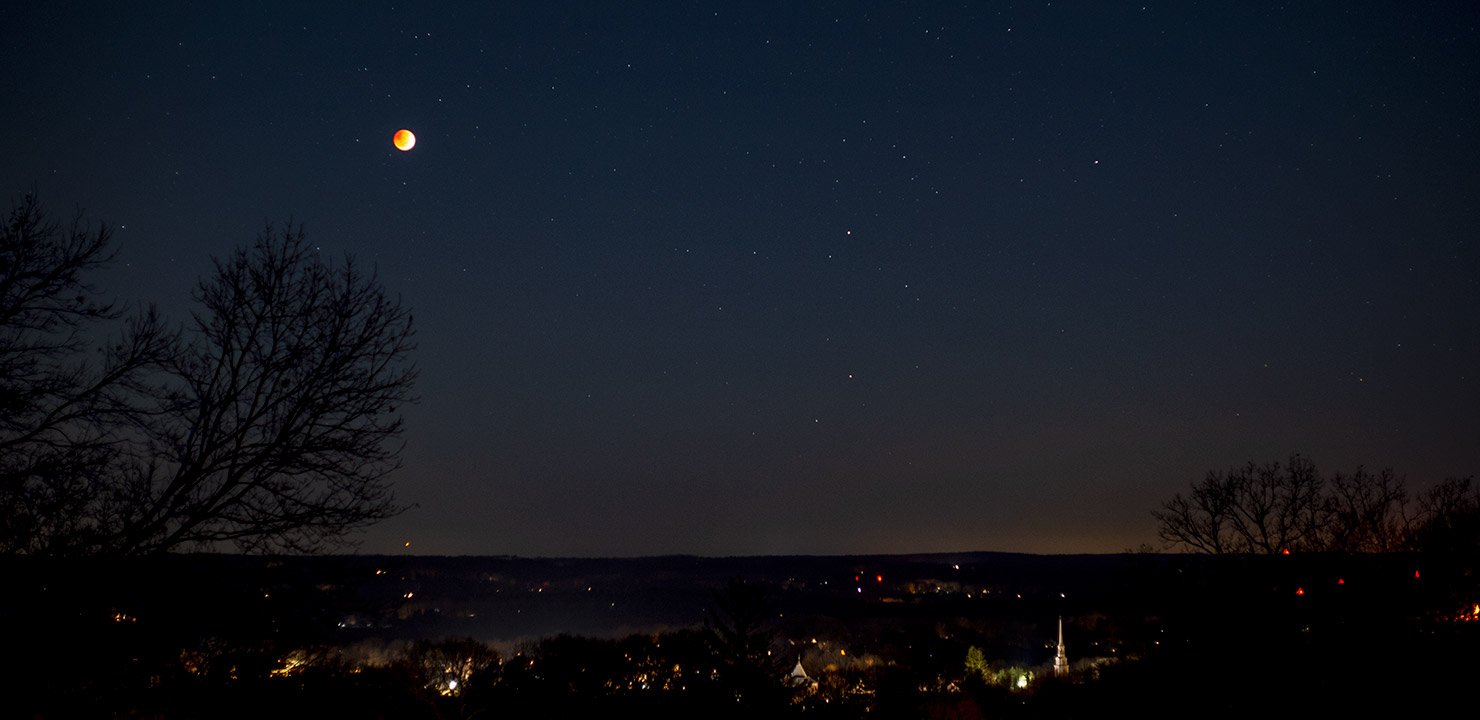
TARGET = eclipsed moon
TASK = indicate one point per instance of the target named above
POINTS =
(404, 140)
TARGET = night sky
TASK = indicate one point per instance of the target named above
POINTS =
(817, 278)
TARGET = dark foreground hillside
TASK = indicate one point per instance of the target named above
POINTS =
(962, 635)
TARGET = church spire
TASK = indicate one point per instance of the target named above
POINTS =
(1061, 659)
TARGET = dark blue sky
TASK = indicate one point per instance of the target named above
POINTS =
(738, 278)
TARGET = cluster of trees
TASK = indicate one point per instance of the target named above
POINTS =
(1292, 507)
(1001, 674)
(266, 422)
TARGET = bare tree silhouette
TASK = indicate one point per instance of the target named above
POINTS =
(1270, 508)
(268, 423)
(1264, 509)
(68, 393)
(279, 425)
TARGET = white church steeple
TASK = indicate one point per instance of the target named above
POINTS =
(1061, 659)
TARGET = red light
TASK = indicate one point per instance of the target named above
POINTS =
(1299, 591)
(1415, 574)
(1340, 581)
(855, 578)
(878, 578)
(1286, 551)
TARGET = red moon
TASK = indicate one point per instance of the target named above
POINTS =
(404, 140)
